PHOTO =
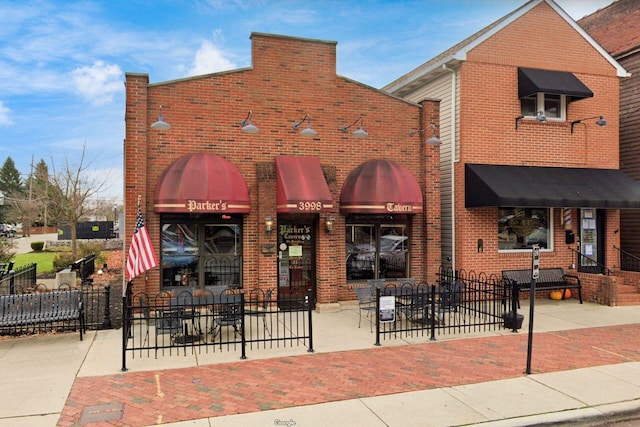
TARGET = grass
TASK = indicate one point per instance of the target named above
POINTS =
(44, 259)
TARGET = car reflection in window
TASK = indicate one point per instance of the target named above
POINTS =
(361, 258)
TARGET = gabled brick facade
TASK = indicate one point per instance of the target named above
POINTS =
(477, 81)
(289, 77)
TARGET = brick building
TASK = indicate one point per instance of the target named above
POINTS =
(282, 175)
(616, 28)
(526, 158)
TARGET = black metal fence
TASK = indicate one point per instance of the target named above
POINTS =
(21, 278)
(209, 320)
(461, 302)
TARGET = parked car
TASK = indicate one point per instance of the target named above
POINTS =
(7, 230)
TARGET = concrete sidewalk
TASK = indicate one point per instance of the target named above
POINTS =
(585, 364)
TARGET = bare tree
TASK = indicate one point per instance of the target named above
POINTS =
(72, 187)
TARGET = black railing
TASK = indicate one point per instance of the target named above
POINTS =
(85, 267)
(461, 302)
(628, 261)
(593, 264)
(207, 321)
(21, 278)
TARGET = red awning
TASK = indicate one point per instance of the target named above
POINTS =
(301, 185)
(201, 183)
(381, 186)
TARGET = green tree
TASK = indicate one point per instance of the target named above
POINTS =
(11, 187)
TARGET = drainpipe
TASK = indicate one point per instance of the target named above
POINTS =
(453, 159)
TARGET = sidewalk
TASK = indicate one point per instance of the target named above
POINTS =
(585, 363)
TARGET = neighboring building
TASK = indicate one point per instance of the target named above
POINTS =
(524, 158)
(234, 194)
(617, 29)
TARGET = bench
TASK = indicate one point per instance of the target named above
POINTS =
(37, 308)
(549, 279)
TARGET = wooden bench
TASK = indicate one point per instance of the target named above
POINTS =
(549, 279)
(37, 308)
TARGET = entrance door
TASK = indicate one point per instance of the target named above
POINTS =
(591, 241)
(296, 263)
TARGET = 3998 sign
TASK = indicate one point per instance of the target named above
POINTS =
(309, 206)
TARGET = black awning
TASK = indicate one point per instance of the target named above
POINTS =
(532, 81)
(529, 186)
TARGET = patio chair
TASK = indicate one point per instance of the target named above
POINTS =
(167, 322)
(366, 303)
(227, 313)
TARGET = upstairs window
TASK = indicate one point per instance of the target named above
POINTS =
(553, 106)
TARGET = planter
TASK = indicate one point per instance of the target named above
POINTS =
(510, 321)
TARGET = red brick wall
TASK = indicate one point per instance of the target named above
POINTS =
(290, 77)
(488, 108)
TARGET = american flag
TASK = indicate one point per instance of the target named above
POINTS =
(141, 255)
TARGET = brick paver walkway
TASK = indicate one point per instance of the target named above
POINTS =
(258, 385)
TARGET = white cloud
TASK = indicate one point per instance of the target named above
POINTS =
(210, 59)
(99, 82)
(5, 120)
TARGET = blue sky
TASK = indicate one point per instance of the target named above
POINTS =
(62, 63)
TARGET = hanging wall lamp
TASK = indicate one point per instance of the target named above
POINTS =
(247, 124)
(328, 224)
(434, 140)
(308, 131)
(358, 133)
(160, 124)
(601, 121)
(268, 225)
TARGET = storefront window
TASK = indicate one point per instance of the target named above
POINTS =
(521, 228)
(377, 251)
(201, 253)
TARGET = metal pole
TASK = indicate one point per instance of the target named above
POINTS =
(243, 339)
(106, 323)
(535, 271)
(377, 316)
(309, 296)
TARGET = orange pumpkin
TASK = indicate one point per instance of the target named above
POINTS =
(555, 295)
(567, 293)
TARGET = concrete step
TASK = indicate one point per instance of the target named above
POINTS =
(628, 298)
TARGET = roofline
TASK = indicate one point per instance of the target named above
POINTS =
(461, 54)
(620, 70)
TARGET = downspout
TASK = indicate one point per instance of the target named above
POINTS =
(453, 159)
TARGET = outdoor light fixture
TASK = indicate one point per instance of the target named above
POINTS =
(328, 224)
(268, 224)
(160, 124)
(434, 140)
(358, 133)
(247, 124)
(540, 117)
(308, 131)
(601, 121)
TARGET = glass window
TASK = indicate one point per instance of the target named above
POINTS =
(521, 228)
(377, 251)
(529, 106)
(553, 106)
(201, 253)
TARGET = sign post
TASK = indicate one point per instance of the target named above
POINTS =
(535, 273)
